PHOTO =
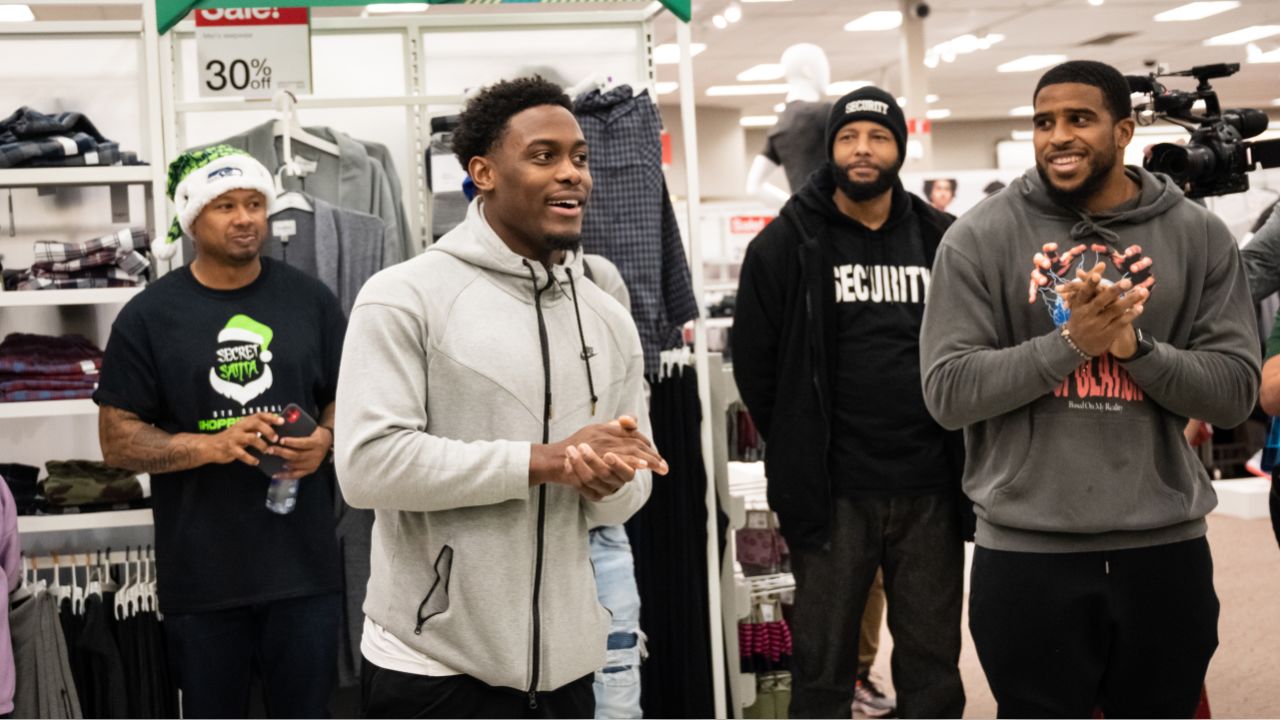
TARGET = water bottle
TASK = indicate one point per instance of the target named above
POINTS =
(282, 496)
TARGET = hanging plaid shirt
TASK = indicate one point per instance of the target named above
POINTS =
(630, 219)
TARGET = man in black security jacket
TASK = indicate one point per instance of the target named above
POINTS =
(826, 356)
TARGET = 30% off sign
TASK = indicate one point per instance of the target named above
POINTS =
(253, 52)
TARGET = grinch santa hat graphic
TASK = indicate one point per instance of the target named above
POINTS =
(241, 371)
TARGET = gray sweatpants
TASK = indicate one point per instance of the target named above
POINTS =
(916, 541)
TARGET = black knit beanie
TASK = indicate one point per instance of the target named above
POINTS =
(868, 103)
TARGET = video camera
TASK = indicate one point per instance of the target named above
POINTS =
(1214, 161)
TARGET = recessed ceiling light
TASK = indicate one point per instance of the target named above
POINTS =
(1196, 11)
(666, 87)
(938, 114)
(762, 89)
(720, 22)
(1244, 35)
(1023, 111)
(669, 53)
(16, 13)
(930, 99)
(1096, 3)
(1276, 102)
(783, 106)
(765, 1)
(844, 87)
(733, 13)
(391, 8)
(875, 21)
(1028, 63)
(763, 71)
(758, 121)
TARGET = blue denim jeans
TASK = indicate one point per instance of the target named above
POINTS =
(617, 686)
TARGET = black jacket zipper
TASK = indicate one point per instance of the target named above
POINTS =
(542, 491)
(819, 359)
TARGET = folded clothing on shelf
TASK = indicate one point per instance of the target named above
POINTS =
(29, 138)
(23, 482)
(114, 260)
(43, 367)
(76, 483)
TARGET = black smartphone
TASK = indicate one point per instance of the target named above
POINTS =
(297, 423)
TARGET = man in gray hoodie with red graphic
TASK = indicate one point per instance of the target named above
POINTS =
(1092, 582)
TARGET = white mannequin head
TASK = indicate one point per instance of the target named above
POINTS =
(807, 71)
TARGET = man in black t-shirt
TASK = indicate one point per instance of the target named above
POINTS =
(861, 476)
(196, 373)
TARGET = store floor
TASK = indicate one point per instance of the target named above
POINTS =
(1242, 681)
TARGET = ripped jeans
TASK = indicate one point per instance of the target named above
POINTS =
(617, 686)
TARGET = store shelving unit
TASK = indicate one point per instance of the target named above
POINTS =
(81, 532)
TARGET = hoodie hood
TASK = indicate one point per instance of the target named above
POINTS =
(476, 243)
(817, 197)
(1157, 195)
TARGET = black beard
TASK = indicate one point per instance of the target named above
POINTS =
(1091, 185)
(568, 243)
(864, 191)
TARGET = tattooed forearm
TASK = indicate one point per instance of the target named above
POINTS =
(129, 442)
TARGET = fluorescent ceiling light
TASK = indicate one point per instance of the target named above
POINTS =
(948, 50)
(939, 114)
(1023, 111)
(1196, 11)
(1028, 63)
(391, 8)
(763, 71)
(1244, 35)
(733, 13)
(720, 22)
(763, 89)
(875, 21)
(666, 87)
(844, 87)
(1096, 3)
(1276, 102)
(758, 121)
(16, 13)
(669, 53)
(929, 99)
(783, 106)
(1254, 54)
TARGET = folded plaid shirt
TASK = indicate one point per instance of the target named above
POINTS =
(132, 263)
(122, 243)
(35, 395)
(37, 382)
(28, 136)
(65, 281)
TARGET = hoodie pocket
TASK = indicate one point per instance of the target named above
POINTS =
(437, 598)
(1095, 483)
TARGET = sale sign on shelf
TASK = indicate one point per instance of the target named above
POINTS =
(253, 52)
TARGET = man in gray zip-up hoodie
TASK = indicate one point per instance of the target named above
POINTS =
(1092, 582)
(497, 414)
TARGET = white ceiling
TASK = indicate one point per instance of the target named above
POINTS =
(970, 87)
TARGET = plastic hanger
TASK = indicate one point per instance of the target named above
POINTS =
(290, 130)
(122, 595)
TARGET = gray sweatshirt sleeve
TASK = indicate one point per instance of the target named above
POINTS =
(385, 457)
(1262, 258)
(967, 377)
(620, 506)
(1215, 378)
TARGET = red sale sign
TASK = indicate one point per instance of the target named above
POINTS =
(748, 224)
(251, 16)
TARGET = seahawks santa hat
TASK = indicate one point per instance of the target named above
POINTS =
(198, 177)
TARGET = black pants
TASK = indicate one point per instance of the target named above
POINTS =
(393, 694)
(1127, 631)
(916, 540)
(293, 643)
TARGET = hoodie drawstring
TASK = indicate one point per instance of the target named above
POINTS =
(587, 351)
(546, 350)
